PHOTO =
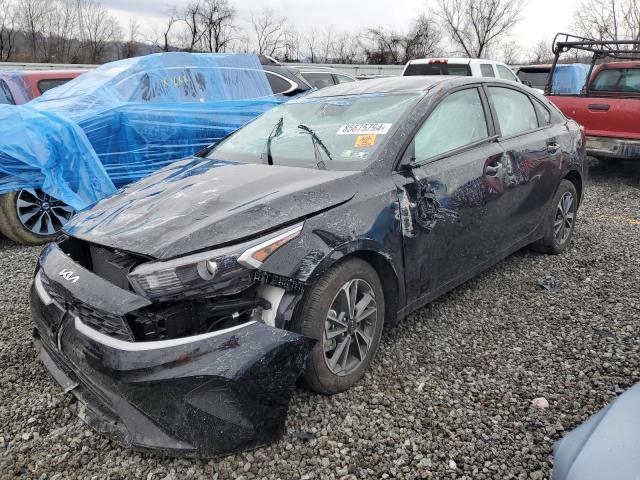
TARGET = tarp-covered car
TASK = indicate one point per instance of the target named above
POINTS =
(115, 124)
(180, 311)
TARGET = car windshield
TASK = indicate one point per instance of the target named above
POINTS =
(334, 133)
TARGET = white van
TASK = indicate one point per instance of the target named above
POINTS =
(464, 67)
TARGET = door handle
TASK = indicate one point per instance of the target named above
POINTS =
(599, 106)
(492, 170)
(553, 147)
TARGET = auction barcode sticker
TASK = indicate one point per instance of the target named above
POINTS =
(360, 128)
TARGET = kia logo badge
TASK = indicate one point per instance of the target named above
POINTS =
(68, 275)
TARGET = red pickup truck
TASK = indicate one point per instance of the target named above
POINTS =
(609, 105)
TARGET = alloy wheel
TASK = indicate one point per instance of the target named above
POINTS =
(565, 215)
(350, 327)
(40, 213)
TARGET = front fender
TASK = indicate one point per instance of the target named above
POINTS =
(370, 229)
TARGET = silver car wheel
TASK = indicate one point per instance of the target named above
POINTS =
(565, 214)
(350, 327)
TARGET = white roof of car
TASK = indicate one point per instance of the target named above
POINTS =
(458, 60)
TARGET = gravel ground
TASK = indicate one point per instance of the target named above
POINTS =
(450, 389)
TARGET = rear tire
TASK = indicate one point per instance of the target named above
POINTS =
(347, 337)
(16, 224)
(559, 220)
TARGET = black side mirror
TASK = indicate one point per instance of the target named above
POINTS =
(528, 83)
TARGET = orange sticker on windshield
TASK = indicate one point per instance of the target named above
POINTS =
(363, 141)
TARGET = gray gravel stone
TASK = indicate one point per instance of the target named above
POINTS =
(453, 381)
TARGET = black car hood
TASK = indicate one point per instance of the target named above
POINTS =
(199, 203)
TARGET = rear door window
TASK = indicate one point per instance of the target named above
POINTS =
(506, 73)
(544, 112)
(457, 121)
(461, 70)
(623, 80)
(516, 114)
(487, 70)
(5, 94)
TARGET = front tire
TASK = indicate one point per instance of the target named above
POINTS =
(559, 221)
(344, 310)
(32, 217)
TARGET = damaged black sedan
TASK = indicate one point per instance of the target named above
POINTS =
(181, 311)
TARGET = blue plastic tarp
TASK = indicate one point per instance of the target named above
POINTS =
(569, 79)
(124, 120)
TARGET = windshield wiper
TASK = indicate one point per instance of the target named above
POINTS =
(317, 143)
(276, 132)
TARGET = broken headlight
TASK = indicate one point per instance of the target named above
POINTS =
(224, 271)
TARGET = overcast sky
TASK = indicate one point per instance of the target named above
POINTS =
(542, 18)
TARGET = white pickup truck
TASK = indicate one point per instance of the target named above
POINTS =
(465, 67)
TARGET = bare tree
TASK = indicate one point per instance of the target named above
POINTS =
(216, 18)
(512, 53)
(473, 26)
(96, 28)
(130, 47)
(191, 18)
(270, 31)
(291, 50)
(8, 29)
(50, 27)
(327, 45)
(541, 52)
(347, 48)
(311, 43)
(32, 17)
(382, 46)
(163, 37)
(608, 19)
(423, 40)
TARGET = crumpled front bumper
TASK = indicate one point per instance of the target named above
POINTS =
(205, 395)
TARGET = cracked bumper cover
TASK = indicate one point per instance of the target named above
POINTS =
(207, 395)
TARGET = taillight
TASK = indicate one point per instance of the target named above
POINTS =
(583, 136)
(438, 60)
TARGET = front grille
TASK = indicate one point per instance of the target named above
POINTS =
(107, 323)
(113, 325)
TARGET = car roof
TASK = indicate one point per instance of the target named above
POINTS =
(382, 85)
(458, 60)
(415, 83)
